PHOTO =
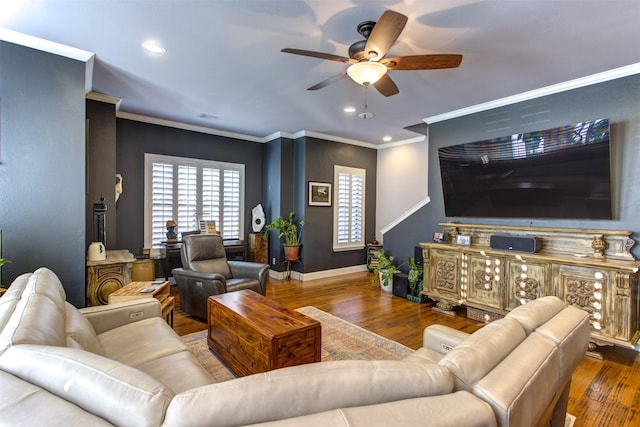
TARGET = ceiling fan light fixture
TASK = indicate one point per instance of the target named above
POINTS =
(366, 72)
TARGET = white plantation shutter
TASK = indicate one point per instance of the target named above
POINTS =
(162, 200)
(231, 202)
(187, 198)
(348, 208)
(189, 190)
(211, 195)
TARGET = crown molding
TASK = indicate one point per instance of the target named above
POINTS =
(616, 73)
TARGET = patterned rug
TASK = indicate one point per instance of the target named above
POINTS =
(341, 340)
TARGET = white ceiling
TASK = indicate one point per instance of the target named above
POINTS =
(223, 57)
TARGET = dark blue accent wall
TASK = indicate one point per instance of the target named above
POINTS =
(134, 139)
(616, 99)
(42, 166)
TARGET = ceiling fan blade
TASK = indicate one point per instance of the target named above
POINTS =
(385, 33)
(422, 62)
(320, 55)
(386, 86)
(328, 81)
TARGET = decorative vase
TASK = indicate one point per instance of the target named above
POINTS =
(97, 252)
(291, 253)
(386, 285)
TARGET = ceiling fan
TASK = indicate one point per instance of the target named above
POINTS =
(368, 64)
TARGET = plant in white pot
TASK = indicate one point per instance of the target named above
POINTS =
(289, 232)
(385, 270)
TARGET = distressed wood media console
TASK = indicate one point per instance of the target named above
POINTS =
(590, 269)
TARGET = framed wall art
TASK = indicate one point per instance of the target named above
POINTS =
(463, 240)
(319, 194)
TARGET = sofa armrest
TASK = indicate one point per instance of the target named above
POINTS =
(252, 270)
(107, 317)
(442, 339)
(196, 275)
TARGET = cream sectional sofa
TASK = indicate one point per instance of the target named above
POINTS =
(121, 364)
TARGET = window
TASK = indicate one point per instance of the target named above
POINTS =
(190, 190)
(348, 226)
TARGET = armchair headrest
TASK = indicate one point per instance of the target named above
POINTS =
(200, 247)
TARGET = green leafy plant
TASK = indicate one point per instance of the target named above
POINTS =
(385, 268)
(289, 231)
(415, 277)
(3, 261)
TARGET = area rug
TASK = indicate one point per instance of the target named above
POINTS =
(341, 340)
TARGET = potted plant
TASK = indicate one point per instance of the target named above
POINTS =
(385, 269)
(415, 277)
(3, 261)
(289, 232)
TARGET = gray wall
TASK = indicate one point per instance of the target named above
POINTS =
(617, 100)
(42, 174)
(134, 139)
(101, 166)
(320, 159)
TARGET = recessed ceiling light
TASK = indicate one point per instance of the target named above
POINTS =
(387, 138)
(153, 47)
(349, 109)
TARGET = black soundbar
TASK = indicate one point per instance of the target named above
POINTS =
(515, 243)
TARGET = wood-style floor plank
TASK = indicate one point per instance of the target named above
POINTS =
(603, 392)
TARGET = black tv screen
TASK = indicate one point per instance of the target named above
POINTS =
(562, 172)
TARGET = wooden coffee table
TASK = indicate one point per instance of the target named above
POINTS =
(252, 333)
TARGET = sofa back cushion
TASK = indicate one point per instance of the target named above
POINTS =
(535, 313)
(306, 389)
(38, 316)
(120, 394)
(10, 299)
(482, 351)
(80, 332)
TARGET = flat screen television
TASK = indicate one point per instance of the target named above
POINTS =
(562, 172)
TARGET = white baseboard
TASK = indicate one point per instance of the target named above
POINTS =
(281, 275)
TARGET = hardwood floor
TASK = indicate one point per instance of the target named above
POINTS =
(603, 392)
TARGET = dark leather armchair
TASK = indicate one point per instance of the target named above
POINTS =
(206, 271)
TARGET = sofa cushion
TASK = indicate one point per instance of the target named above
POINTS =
(80, 332)
(536, 312)
(178, 371)
(22, 403)
(120, 394)
(482, 351)
(325, 386)
(140, 342)
(524, 384)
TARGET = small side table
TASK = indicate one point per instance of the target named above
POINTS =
(159, 291)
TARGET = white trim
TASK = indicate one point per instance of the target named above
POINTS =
(281, 275)
(413, 140)
(101, 97)
(405, 215)
(45, 45)
(616, 73)
(184, 126)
